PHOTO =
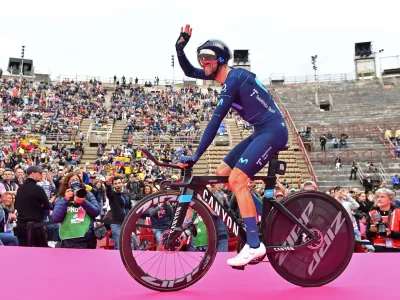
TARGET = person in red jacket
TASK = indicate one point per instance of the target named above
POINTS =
(383, 227)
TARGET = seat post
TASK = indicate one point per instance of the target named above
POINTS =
(272, 166)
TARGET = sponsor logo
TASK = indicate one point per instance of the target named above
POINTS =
(220, 102)
(243, 160)
(263, 157)
(176, 217)
(284, 249)
(261, 100)
(223, 89)
(328, 239)
(220, 46)
(220, 211)
(294, 233)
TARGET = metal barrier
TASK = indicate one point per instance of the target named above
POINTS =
(347, 156)
(382, 173)
(310, 78)
(352, 129)
(291, 124)
(65, 137)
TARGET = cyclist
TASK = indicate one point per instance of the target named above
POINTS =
(242, 91)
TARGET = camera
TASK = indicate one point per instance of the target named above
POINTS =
(380, 225)
(78, 190)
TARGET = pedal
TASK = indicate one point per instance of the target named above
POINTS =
(241, 268)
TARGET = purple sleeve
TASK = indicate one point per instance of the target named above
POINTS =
(232, 87)
(188, 68)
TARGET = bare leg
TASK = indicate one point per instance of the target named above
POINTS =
(224, 170)
(238, 180)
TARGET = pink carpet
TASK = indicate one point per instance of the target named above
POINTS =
(34, 273)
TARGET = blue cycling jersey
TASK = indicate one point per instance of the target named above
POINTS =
(243, 92)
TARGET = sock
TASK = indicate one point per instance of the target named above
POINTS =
(257, 203)
(253, 240)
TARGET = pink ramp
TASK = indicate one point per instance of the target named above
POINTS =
(35, 273)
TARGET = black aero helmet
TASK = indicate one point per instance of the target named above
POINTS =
(214, 50)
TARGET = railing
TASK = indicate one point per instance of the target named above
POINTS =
(106, 79)
(352, 129)
(360, 173)
(93, 129)
(386, 142)
(65, 137)
(382, 173)
(229, 135)
(311, 78)
(349, 156)
(156, 140)
(291, 124)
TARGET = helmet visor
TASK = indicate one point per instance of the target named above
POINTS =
(206, 56)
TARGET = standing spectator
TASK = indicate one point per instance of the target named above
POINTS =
(395, 182)
(1, 72)
(353, 171)
(120, 204)
(385, 217)
(322, 140)
(31, 204)
(350, 205)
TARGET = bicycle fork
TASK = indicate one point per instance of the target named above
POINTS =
(179, 214)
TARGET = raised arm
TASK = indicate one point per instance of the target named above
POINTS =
(186, 66)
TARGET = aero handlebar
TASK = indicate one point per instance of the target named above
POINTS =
(166, 162)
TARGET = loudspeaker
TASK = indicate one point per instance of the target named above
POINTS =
(240, 56)
(14, 64)
(363, 49)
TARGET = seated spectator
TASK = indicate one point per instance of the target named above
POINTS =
(7, 216)
(342, 143)
(396, 182)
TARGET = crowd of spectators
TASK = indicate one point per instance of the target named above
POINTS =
(121, 175)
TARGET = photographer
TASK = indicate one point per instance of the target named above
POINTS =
(383, 227)
(75, 210)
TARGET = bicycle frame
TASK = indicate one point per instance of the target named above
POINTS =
(193, 186)
(231, 222)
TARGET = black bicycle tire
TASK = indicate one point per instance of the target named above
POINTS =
(322, 197)
(133, 268)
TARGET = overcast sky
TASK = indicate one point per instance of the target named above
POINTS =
(136, 38)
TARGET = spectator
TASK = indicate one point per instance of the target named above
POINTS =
(350, 205)
(7, 216)
(8, 185)
(31, 204)
(395, 182)
(322, 141)
(353, 171)
(383, 227)
(76, 211)
(120, 204)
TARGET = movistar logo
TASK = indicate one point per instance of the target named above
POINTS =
(243, 161)
(220, 102)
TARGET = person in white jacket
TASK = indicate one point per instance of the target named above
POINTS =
(345, 198)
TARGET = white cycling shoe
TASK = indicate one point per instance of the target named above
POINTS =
(246, 255)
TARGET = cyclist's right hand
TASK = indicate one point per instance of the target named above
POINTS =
(187, 160)
(184, 37)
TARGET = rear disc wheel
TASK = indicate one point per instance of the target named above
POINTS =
(325, 258)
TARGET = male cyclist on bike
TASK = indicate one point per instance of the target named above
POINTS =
(243, 92)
